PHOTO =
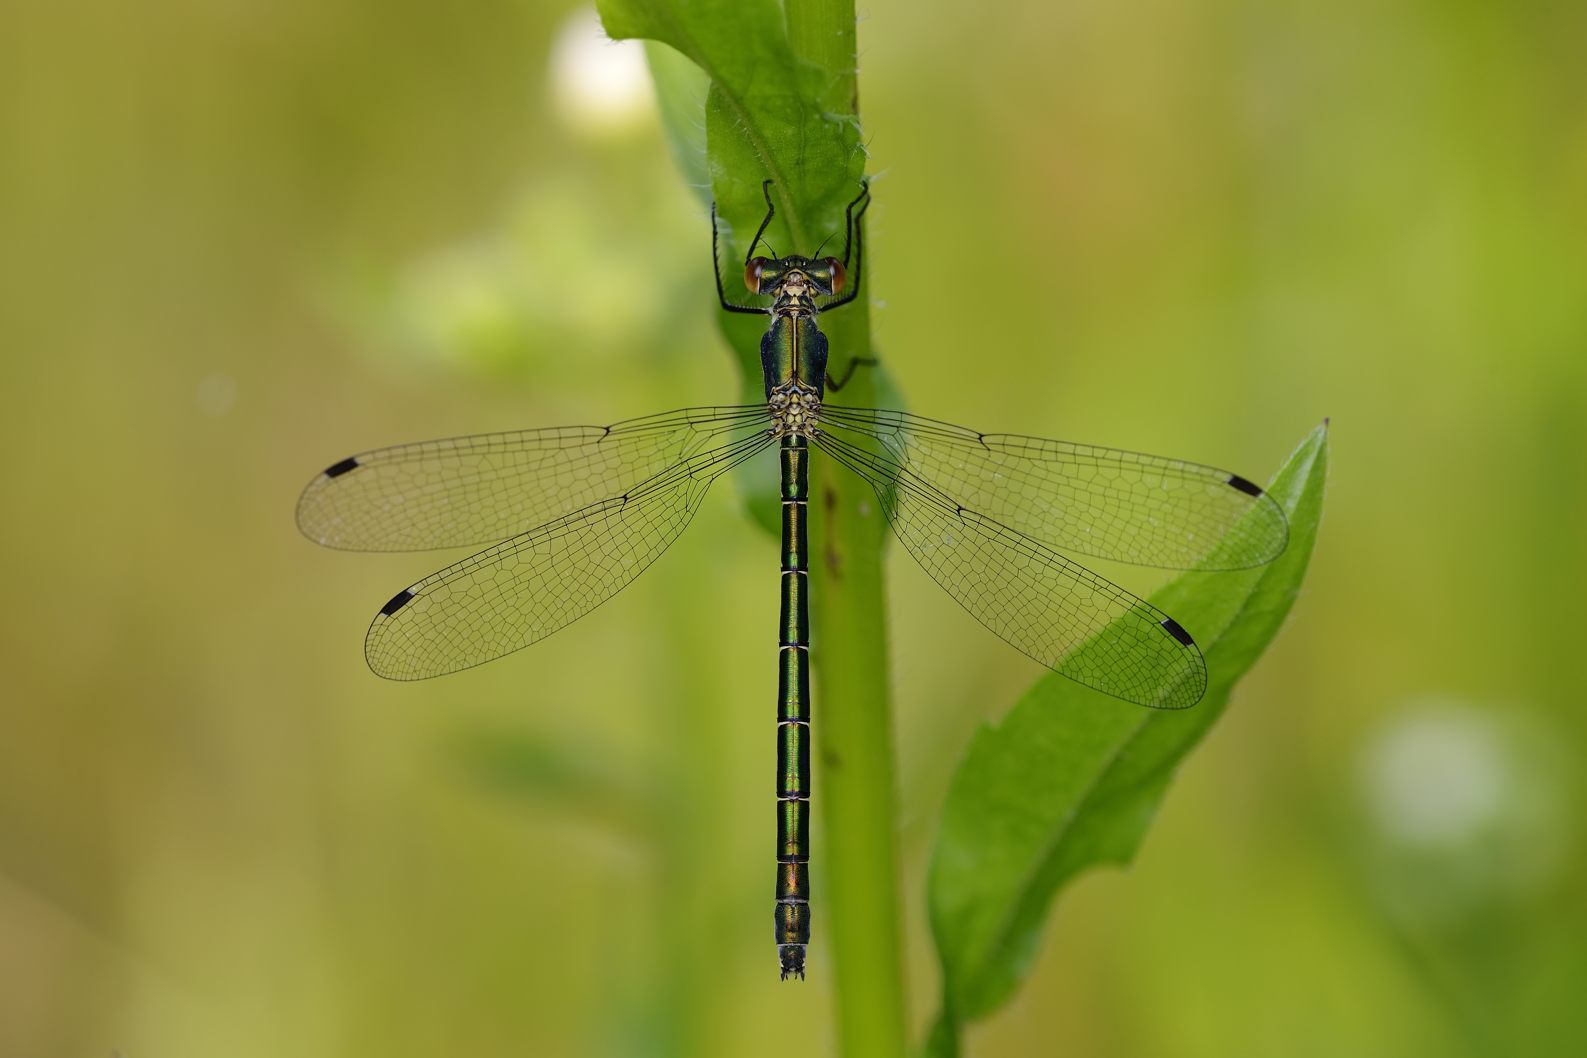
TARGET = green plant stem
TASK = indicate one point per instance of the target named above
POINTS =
(856, 780)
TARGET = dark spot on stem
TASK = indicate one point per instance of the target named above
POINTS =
(833, 557)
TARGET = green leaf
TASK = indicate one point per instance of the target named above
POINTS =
(764, 119)
(766, 116)
(1070, 779)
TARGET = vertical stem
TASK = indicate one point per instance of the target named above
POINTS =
(853, 711)
(823, 32)
(856, 793)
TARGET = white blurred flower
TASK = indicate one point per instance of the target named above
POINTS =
(1466, 808)
(1436, 777)
(601, 87)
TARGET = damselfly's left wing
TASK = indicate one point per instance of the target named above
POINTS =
(527, 587)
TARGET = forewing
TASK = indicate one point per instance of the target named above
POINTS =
(523, 589)
(1052, 609)
(1101, 502)
(468, 491)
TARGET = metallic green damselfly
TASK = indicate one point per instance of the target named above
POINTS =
(573, 514)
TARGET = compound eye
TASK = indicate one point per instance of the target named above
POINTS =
(752, 272)
(839, 276)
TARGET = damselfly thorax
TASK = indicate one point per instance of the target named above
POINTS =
(793, 351)
(795, 409)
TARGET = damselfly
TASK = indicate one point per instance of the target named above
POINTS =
(573, 514)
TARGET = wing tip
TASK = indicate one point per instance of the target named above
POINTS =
(1182, 700)
(384, 658)
(311, 513)
(395, 675)
(1259, 537)
(1191, 684)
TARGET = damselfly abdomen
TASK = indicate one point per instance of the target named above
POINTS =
(573, 514)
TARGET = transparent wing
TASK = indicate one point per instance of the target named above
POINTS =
(1050, 608)
(469, 491)
(523, 589)
(1102, 502)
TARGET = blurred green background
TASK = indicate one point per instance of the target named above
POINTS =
(240, 240)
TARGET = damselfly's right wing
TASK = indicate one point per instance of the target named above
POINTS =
(525, 588)
(470, 491)
(1043, 604)
(1083, 499)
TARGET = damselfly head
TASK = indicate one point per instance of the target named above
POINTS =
(798, 276)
